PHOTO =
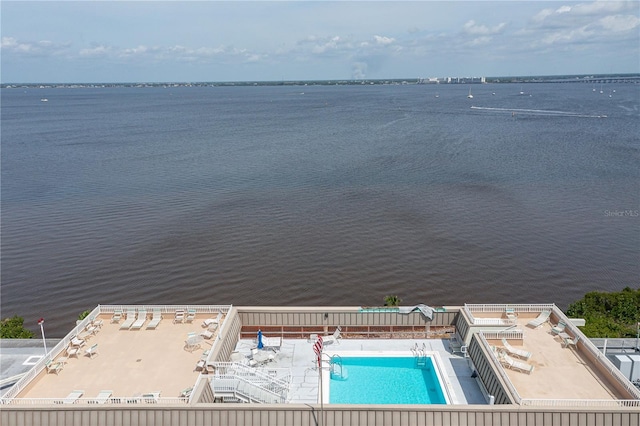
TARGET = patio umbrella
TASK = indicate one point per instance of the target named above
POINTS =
(260, 344)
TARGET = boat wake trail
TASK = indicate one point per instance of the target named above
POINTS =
(515, 111)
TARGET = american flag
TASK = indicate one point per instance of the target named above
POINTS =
(317, 347)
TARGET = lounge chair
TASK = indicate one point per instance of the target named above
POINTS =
(513, 364)
(93, 350)
(72, 351)
(570, 341)
(138, 323)
(129, 320)
(510, 313)
(332, 338)
(274, 343)
(186, 393)
(541, 319)
(155, 320)
(97, 322)
(191, 315)
(77, 342)
(179, 317)
(210, 321)
(54, 367)
(103, 397)
(516, 351)
(558, 328)
(117, 316)
(209, 332)
(151, 397)
(73, 397)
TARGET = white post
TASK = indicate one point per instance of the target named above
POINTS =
(44, 342)
(604, 349)
(321, 394)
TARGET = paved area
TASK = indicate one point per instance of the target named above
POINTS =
(298, 356)
(17, 356)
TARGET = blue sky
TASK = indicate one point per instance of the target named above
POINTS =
(166, 41)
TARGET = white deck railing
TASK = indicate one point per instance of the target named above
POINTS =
(498, 367)
(513, 334)
(588, 346)
(245, 389)
(275, 379)
(499, 308)
(490, 307)
(92, 401)
(167, 309)
(603, 403)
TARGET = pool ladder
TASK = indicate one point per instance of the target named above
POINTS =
(337, 373)
(420, 353)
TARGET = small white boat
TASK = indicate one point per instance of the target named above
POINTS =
(44, 100)
(470, 96)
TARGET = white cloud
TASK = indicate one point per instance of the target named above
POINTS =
(619, 23)
(96, 51)
(383, 40)
(470, 27)
(42, 47)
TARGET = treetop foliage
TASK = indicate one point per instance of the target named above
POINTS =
(612, 315)
(13, 328)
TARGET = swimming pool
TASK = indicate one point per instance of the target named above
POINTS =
(384, 378)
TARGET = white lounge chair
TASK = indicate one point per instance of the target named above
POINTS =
(155, 320)
(516, 351)
(541, 319)
(76, 342)
(332, 338)
(210, 321)
(570, 341)
(557, 329)
(191, 315)
(513, 364)
(510, 313)
(73, 397)
(179, 316)
(72, 351)
(129, 320)
(138, 323)
(103, 397)
(151, 397)
(54, 367)
(117, 316)
(209, 332)
(93, 350)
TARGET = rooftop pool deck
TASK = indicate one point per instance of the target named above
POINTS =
(135, 362)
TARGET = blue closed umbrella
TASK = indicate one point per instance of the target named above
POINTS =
(260, 344)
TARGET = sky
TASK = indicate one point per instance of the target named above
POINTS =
(199, 41)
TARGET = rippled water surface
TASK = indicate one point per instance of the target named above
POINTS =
(316, 195)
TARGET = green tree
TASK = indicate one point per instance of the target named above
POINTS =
(84, 314)
(13, 328)
(392, 301)
(614, 314)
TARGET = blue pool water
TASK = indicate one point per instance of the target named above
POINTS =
(386, 380)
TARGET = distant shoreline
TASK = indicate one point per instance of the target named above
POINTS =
(582, 78)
